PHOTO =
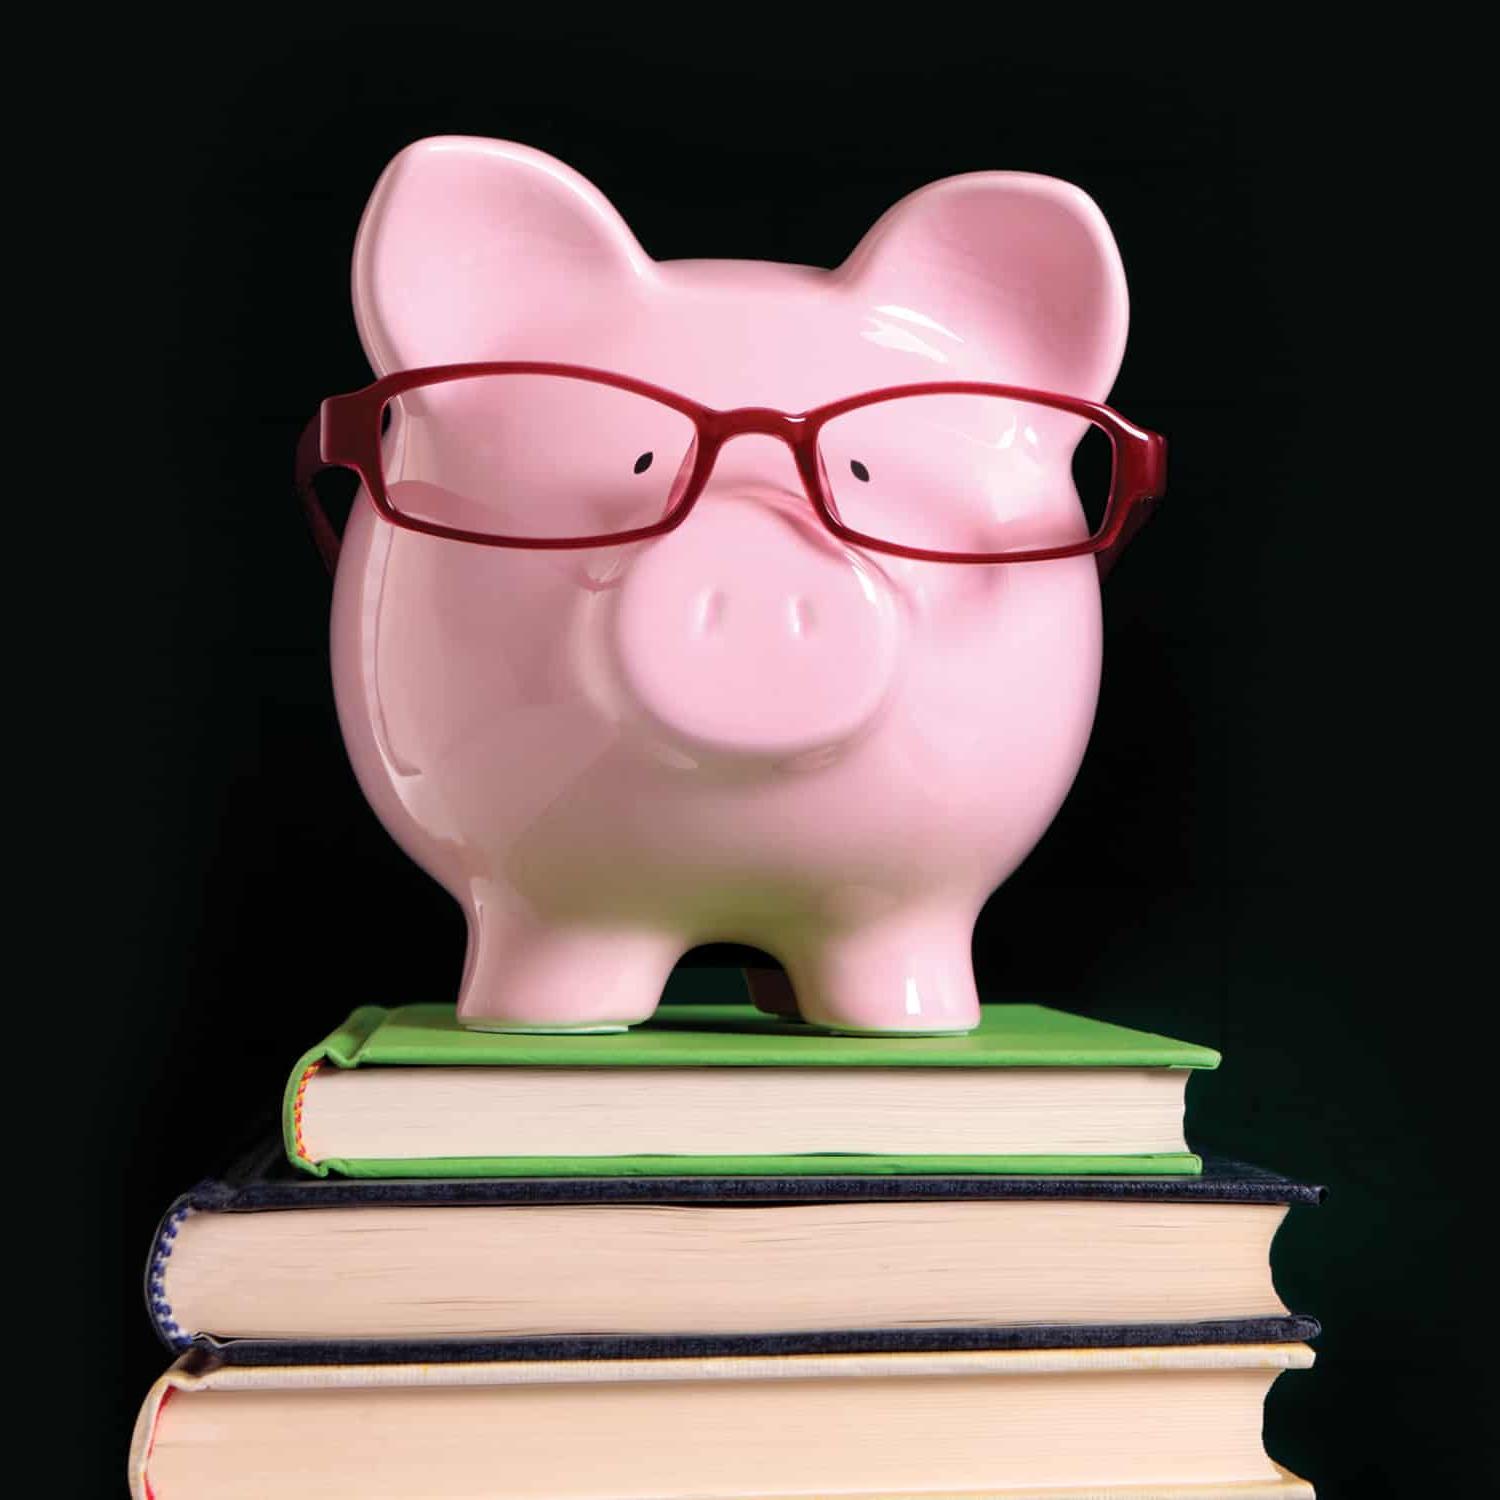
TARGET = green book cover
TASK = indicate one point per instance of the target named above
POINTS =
(737, 1036)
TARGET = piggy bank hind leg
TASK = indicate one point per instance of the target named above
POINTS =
(771, 993)
(902, 976)
(538, 979)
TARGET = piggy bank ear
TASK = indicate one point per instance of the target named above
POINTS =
(1024, 265)
(466, 243)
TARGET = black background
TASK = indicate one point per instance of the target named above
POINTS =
(1246, 859)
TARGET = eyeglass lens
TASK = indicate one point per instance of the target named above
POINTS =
(967, 474)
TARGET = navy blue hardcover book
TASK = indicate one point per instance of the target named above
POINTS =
(265, 1265)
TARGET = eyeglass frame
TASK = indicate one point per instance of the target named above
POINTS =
(346, 433)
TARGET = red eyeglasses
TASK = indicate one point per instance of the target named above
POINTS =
(522, 454)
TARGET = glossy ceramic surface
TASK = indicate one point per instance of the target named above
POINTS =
(746, 729)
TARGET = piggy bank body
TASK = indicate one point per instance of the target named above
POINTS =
(745, 730)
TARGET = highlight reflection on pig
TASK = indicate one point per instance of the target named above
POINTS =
(748, 728)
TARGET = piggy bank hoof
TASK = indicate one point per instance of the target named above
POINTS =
(899, 979)
(578, 981)
(898, 1032)
(540, 1028)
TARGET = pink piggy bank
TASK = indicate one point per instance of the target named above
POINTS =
(722, 601)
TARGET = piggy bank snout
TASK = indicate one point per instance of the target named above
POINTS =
(750, 631)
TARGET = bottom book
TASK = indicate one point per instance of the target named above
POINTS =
(1056, 1424)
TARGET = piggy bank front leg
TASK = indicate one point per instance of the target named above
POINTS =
(524, 975)
(901, 975)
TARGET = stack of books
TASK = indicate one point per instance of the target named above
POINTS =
(724, 1255)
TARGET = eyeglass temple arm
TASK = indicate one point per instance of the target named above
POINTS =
(1142, 506)
(1140, 512)
(310, 463)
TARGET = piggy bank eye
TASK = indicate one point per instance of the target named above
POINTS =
(643, 463)
(859, 471)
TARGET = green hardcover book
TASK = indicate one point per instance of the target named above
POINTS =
(725, 1091)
